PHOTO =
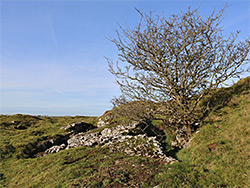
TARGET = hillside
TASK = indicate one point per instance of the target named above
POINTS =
(218, 155)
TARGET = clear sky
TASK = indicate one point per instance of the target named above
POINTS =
(52, 52)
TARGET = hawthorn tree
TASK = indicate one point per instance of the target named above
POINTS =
(174, 62)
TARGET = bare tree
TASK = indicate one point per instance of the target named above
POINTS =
(175, 61)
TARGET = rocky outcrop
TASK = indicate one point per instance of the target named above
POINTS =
(117, 138)
(126, 138)
(78, 127)
(140, 145)
(39, 148)
(54, 144)
(100, 136)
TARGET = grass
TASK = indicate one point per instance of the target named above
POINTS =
(37, 129)
(81, 167)
(218, 155)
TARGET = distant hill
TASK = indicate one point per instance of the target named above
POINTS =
(42, 151)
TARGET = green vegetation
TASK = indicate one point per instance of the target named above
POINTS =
(34, 129)
(218, 155)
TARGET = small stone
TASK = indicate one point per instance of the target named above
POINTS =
(20, 127)
(55, 149)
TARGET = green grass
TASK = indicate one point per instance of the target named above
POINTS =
(82, 166)
(38, 128)
(218, 155)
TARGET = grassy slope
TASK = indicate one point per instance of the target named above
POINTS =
(219, 154)
(39, 128)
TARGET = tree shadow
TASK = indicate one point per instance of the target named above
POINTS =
(173, 152)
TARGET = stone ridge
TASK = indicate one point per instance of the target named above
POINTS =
(117, 139)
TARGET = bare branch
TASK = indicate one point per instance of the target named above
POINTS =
(175, 62)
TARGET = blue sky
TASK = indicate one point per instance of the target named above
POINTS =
(52, 52)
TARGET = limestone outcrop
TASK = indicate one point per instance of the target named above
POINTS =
(126, 138)
(100, 136)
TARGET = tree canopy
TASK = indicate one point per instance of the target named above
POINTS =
(176, 61)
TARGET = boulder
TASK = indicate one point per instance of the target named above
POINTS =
(36, 149)
(78, 127)
(51, 142)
